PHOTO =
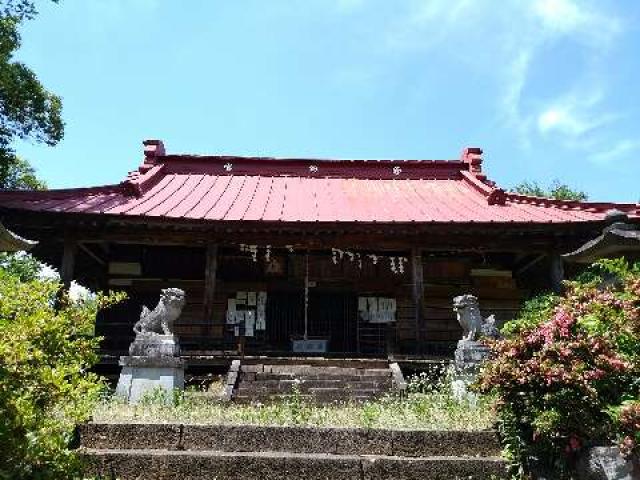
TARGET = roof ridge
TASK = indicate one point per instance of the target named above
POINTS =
(48, 192)
(223, 157)
(139, 181)
(495, 195)
(582, 204)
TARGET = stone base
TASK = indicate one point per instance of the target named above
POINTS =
(470, 355)
(142, 375)
(606, 463)
(154, 345)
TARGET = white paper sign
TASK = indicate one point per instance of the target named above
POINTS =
(261, 320)
(362, 304)
(249, 323)
(231, 304)
(262, 298)
(251, 299)
(372, 304)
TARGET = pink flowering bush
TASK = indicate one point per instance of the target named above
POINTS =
(565, 367)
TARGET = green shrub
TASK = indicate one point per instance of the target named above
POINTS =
(45, 387)
(572, 362)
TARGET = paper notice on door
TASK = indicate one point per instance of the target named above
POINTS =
(382, 304)
(261, 320)
(231, 304)
(372, 303)
(249, 323)
(241, 298)
(262, 298)
(251, 299)
(362, 304)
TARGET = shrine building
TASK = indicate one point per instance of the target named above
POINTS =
(300, 256)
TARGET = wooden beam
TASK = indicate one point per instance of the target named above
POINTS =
(418, 289)
(68, 261)
(88, 251)
(211, 268)
(528, 265)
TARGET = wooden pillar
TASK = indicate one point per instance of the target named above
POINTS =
(211, 268)
(68, 261)
(418, 292)
(556, 272)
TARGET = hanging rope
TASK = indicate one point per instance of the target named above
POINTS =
(306, 297)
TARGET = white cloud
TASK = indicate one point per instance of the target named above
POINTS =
(561, 15)
(507, 43)
(616, 151)
(565, 121)
(574, 115)
(545, 24)
(567, 17)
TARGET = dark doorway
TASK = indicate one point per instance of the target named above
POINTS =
(331, 315)
(285, 317)
(334, 315)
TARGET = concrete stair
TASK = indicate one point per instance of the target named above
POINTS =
(198, 452)
(316, 380)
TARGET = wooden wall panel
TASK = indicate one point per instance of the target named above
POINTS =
(497, 295)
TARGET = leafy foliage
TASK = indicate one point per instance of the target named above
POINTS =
(20, 175)
(45, 385)
(626, 418)
(557, 190)
(27, 110)
(20, 264)
(559, 376)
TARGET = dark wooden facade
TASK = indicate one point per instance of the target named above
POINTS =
(502, 269)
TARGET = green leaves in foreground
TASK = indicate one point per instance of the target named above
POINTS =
(45, 385)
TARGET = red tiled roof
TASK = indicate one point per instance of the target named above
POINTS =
(225, 188)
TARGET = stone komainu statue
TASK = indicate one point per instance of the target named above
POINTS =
(160, 320)
(473, 326)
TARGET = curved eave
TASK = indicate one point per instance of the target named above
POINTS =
(616, 240)
(10, 242)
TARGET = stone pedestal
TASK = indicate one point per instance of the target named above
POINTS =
(607, 463)
(153, 363)
(469, 356)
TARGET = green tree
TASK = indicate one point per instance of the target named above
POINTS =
(28, 111)
(46, 388)
(557, 190)
(21, 264)
(20, 175)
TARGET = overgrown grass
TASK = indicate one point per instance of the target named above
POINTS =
(427, 405)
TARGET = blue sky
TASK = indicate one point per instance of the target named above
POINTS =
(548, 88)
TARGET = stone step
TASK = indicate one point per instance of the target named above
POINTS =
(208, 464)
(282, 376)
(247, 438)
(305, 385)
(362, 363)
(349, 379)
(315, 395)
(304, 370)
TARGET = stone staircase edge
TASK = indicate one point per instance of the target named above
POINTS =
(184, 436)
